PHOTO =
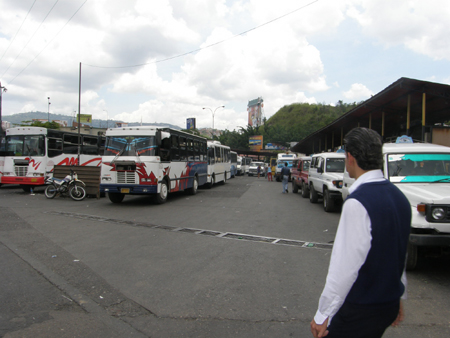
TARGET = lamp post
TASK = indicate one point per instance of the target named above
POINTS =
(213, 112)
(2, 89)
(48, 109)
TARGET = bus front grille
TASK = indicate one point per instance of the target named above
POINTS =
(126, 177)
(21, 171)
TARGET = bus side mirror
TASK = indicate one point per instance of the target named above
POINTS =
(158, 137)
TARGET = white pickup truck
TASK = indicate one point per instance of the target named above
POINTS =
(422, 172)
(325, 179)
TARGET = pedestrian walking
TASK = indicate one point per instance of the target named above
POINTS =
(285, 173)
(366, 278)
(259, 170)
(269, 173)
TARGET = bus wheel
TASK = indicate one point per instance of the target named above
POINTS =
(116, 197)
(161, 197)
(193, 190)
(210, 184)
(224, 178)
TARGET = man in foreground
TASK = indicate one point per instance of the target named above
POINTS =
(366, 278)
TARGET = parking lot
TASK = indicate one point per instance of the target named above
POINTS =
(238, 260)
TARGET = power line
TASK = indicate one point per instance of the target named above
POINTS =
(32, 36)
(18, 31)
(49, 41)
(211, 45)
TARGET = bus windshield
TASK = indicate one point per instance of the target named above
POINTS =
(130, 146)
(419, 167)
(25, 145)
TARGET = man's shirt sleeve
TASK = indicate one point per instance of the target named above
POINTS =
(350, 249)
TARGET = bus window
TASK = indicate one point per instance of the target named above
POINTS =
(174, 148)
(90, 146)
(70, 145)
(190, 149)
(182, 148)
(211, 156)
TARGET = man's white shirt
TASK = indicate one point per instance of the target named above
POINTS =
(350, 250)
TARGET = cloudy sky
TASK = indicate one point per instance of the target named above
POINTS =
(165, 60)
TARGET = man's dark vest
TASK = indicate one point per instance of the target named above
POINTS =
(379, 279)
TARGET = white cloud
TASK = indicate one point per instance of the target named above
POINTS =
(357, 92)
(420, 26)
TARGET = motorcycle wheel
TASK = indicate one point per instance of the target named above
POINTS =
(77, 193)
(50, 191)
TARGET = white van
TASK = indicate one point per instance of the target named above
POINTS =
(422, 172)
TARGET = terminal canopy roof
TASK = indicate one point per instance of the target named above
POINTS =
(426, 104)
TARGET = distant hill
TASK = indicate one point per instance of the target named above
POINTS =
(17, 119)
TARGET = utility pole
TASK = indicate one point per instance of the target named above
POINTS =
(2, 89)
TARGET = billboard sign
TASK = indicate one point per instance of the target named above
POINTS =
(256, 142)
(255, 112)
(85, 118)
(190, 123)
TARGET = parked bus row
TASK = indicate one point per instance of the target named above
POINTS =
(133, 161)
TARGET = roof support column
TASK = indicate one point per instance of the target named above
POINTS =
(370, 121)
(408, 116)
(342, 136)
(424, 98)
(332, 140)
(382, 125)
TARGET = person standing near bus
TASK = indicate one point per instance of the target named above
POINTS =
(366, 277)
(259, 170)
(269, 173)
(285, 172)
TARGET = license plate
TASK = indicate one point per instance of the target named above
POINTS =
(125, 190)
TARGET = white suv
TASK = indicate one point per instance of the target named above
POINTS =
(325, 179)
(253, 170)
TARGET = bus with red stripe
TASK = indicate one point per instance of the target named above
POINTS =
(30, 153)
(152, 161)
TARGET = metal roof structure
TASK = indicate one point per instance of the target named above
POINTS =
(407, 107)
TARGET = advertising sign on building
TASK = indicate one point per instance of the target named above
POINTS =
(85, 118)
(190, 123)
(256, 142)
(255, 112)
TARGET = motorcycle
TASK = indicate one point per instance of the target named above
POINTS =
(70, 184)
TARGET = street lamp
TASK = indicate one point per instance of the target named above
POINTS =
(48, 109)
(2, 89)
(213, 112)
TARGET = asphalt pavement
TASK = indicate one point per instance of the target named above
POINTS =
(238, 260)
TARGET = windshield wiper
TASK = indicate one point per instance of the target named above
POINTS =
(120, 152)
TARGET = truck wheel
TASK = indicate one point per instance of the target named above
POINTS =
(194, 188)
(328, 202)
(294, 187)
(313, 197)
(161, 197)
(116, 197)
(411, 257)
(305, 191)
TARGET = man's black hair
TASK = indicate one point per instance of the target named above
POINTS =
(366, 146)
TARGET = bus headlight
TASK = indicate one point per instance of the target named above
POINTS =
(438, 213)
(106, 178)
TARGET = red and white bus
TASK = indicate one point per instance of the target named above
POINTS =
(152, 161)
(31, 152)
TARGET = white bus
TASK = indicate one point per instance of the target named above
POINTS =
(152, 161)
(234, 160)
(219, 163)
(243, 164)
(31, 153)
